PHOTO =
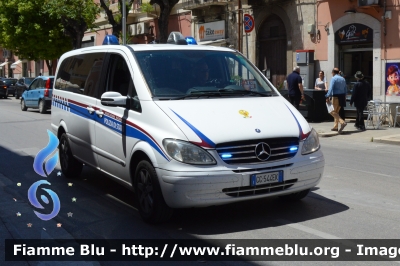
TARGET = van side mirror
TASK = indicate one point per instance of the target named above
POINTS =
(112, 98)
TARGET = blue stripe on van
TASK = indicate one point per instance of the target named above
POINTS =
(205, 142)
(132, 130)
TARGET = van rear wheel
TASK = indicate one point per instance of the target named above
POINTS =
(296, 196)
(152, 206)
(70, 166)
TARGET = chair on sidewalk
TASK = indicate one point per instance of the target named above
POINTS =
(377, 114)
(397, 114)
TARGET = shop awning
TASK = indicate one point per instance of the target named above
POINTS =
(3, 64)
(14, 65)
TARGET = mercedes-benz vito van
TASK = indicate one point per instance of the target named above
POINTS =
(182, 125)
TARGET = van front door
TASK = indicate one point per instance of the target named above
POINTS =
(112, 144)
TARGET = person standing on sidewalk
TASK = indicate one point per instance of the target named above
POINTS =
(337, 91)
(362, 91)
(295, 87)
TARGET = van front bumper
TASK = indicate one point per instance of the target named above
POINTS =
(206, 188)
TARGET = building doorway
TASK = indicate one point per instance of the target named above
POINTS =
(272, 43)
(355, 58)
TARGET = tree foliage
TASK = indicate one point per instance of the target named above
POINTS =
(76, 17)
(116, 19)
(28, 30)
(165, 10)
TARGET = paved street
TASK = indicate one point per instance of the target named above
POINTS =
(357, 197)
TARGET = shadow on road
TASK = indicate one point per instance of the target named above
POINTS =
(105, 209)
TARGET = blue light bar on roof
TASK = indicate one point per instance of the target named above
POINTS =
(176, 37)
(110, 40)
(190, 40)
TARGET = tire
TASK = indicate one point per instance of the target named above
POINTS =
(296, 196)
(152, 206)
(70, 166)
(23, 106)
(42, 108)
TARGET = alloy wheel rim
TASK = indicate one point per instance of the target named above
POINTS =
(145, 188)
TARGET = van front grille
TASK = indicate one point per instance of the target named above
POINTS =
(259, 190)
(244, 152)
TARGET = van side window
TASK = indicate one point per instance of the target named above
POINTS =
(119, 79)
(81, 74)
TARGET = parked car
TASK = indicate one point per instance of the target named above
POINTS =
(22, 85)
(3, 89)
(38, 94)
(10, 83)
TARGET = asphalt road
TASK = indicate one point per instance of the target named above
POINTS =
(356, 199)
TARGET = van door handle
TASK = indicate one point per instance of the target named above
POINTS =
(99, 113)
(90, 109)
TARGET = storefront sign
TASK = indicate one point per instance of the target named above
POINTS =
(354, 33)
(392, 79)
(211, 31)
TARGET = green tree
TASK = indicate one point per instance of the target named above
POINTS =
(165, 10)
(30, 32)
(76, 16)
(116, 19)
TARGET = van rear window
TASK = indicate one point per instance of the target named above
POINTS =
(80, 74)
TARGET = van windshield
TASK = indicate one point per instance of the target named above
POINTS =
(184, 74)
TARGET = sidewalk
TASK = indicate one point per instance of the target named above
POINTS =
(384, 134)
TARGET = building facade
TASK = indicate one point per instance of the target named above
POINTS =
(362, 36)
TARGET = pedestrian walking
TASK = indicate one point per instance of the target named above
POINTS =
(295, 87)
(337, 91)
(362, 91)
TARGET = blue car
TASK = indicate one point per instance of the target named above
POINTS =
(38, 95)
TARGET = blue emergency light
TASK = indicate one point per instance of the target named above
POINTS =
(110, 40)
(176, 37)
(190, 40)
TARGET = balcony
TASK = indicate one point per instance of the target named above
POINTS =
(140, 14)
(195, 4)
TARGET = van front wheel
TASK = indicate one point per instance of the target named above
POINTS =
(152, 206)
(70, 166)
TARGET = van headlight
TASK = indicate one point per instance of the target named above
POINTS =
(186, 152)
(311, 144)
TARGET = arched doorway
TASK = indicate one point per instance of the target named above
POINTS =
(272, 42)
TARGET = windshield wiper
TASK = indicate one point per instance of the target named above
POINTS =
(198, 94)
(221, 92)
(245, 92)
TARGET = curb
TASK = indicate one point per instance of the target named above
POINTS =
(392, 139)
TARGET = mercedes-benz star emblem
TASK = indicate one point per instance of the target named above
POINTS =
(263, 151)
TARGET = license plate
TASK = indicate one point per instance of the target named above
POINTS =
(266, 178)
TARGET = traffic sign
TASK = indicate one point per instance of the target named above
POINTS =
(248, 22)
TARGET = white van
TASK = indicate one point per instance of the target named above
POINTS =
(182, 125)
